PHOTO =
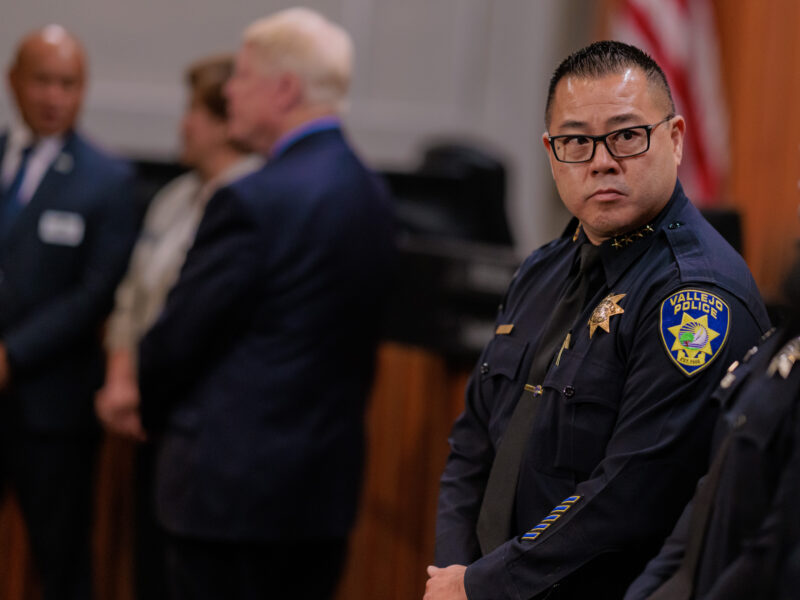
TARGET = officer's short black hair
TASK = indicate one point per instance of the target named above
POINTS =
(606, 58)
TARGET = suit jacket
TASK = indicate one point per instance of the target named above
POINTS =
(258, 369)
(59, 264)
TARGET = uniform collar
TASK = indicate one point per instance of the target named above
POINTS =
(617, 254)
(617, 260)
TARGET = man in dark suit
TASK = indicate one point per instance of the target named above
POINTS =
(257, 371)
(65, 233)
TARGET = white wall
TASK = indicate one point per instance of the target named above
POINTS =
(425, 70)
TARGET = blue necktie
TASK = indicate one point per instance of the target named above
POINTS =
(11, 205)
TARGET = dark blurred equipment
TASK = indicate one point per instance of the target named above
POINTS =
(456, 259)
(446, 295)
(458, 191)
(729, 225)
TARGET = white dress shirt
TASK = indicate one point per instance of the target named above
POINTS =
(45, 151)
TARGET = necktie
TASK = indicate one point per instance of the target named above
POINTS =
(494, 520)
(11, 204)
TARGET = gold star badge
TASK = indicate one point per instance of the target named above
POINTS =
(603, 313)
(784, 360)
(693, 339)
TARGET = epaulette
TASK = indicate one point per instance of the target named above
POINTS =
(784, 360)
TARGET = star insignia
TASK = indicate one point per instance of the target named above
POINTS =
(602, 314)
(682, 346)
(625, 240)
(784, 360)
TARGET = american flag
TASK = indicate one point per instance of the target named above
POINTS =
(681, 36)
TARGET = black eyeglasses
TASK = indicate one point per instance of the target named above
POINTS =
(620, 143)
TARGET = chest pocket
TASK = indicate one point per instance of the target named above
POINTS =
(579, 411)
(501, 375)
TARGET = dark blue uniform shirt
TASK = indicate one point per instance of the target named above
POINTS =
(744, 534)
(623, 429)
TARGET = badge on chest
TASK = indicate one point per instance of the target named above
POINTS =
(601, 316)
(61, 228)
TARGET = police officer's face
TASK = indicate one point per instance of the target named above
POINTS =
(614, 195)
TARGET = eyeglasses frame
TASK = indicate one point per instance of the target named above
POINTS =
(596, 139)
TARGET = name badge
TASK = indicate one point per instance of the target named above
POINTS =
(61, 228)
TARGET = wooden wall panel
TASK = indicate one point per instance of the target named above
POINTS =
(17, 581)
(415, 402)
(760, 49)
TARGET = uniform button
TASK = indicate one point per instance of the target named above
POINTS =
(674, 225)
(569, 391)
(484, 368)
(727, 381)
(750, 353)
(740, 421)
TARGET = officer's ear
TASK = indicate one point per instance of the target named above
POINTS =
(677, 130)
(549, 150)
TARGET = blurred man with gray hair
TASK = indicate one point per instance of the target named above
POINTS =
(255, 376)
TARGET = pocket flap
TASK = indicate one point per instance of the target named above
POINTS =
(504, 356)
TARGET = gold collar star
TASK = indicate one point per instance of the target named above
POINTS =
(603, 313)
(784, 360)
(577, 232)
(625, 240)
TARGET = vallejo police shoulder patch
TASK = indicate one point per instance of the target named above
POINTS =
(694, 327)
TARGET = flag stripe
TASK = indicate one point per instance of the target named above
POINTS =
(680, 87)
(679, 35)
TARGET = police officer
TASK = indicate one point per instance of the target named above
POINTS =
(736, 535)
(586, 423)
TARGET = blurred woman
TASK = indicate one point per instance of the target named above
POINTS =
(167, 234)
(168, 231)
